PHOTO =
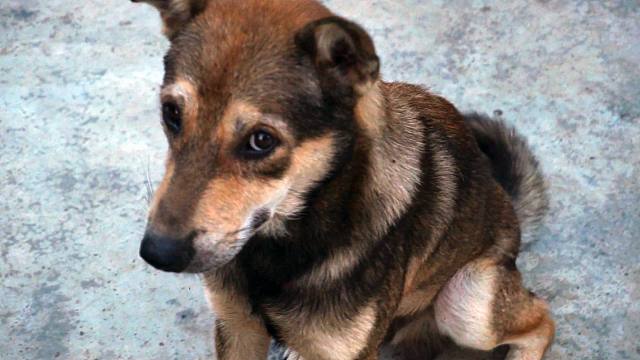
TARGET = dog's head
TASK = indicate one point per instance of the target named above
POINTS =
(259, 99)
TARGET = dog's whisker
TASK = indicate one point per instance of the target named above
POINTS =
(148, 183)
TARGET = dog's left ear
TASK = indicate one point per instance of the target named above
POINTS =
(176, 13)
(343, 53)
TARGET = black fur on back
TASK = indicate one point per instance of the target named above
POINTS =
(515, 167)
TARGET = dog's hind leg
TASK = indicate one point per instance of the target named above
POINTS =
(485, 305)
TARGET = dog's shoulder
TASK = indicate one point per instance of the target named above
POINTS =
(435, 112)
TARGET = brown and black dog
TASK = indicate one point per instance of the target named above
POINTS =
(330, 210)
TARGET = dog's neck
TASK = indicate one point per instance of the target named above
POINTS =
(394, 158)
(371, 110)
(373, 190)
(380, 171)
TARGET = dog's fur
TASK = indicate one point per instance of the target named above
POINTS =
(382, 217)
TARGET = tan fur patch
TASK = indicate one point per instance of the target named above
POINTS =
(183, 92)
(318, 339)
(250, 115)
(411, 272)
(237, 318)
(416, 301)
(310, 163)
(464, 307)
(332, 268)
(536, 333)
(227, 201)
(369, 110)
(412, 269)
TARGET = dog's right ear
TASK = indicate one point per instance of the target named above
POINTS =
(343, 54)
(176, 13)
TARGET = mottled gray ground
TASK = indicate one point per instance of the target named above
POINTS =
(79, 126)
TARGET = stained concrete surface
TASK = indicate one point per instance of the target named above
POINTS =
(79, 128)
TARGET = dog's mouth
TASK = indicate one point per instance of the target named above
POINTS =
(214, 250)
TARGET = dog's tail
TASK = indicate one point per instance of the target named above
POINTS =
(515, 168)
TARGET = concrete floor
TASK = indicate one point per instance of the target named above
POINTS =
(79, 127)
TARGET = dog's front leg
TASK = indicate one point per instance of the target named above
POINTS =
(240, 340)
(292, 355)
(354, 336)
(239, 334)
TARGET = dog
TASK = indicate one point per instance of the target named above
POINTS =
(327, 209)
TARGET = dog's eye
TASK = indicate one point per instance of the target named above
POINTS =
(261, 143)
(172, 117)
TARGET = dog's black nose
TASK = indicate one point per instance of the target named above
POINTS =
(167, 253)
